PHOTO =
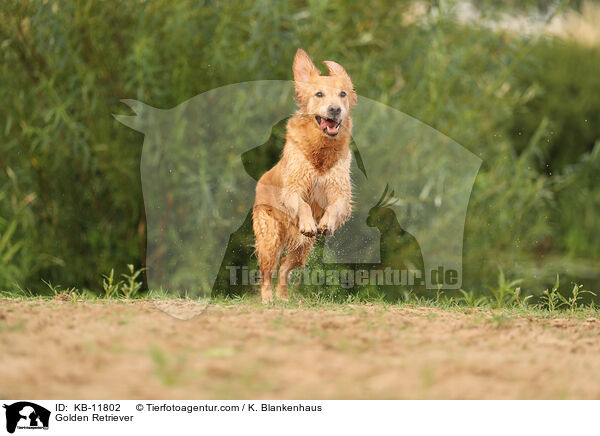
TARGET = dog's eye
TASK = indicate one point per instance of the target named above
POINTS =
(319, 94)
(342, 94)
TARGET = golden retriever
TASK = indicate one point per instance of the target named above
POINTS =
(308, 192)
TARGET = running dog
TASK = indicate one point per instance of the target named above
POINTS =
(308, 192)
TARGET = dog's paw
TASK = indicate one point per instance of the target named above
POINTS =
(323, 230)
(326, 226)
(308, 230)
(266, 296)
(284, 298)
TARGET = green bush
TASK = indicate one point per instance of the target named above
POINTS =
(71, 205)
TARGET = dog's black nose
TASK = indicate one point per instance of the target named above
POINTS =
(334, 110)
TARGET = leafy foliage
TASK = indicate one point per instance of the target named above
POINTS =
(71, 205)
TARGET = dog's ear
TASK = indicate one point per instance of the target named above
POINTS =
(336, 69)
(303, 67)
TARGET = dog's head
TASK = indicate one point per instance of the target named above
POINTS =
(328, 99)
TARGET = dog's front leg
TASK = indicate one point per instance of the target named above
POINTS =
(335, 215)
(299, 209)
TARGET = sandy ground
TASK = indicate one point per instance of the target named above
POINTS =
(99, 350)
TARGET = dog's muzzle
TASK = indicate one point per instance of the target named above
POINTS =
(329, 126)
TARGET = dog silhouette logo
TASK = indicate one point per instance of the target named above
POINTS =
(201, 160)
(26, 415)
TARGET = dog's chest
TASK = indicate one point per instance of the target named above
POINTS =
(323, 159)
(316, 183)
(322, 183)
(317, 190)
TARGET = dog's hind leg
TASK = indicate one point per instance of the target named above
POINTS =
(295, 258)
(269, 244)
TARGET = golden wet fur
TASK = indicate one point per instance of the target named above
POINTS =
(308, 191)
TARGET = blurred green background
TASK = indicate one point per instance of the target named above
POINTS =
(516, 83)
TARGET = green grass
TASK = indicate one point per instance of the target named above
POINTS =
(506, 299)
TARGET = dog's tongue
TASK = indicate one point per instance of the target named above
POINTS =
(326, 123)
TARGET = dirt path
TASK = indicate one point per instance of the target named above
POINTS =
(100, 350)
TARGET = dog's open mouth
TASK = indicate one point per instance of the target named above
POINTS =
(328, 126)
